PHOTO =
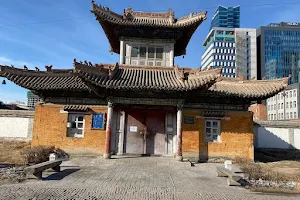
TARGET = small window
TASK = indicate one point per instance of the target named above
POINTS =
(134, 52)
(295, 115)
(287, 104)
(294, 93)
(291, 115)
(151, 52)
(281, 105)
(212, 130)
(291, 94)
(159, 52)
(291, 104)
(75, 125)
(143, 51)
(295, 104)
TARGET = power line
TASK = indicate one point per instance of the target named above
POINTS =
(208, 8)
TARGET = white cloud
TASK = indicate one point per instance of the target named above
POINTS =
(17, 63)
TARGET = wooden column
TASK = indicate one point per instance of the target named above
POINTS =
(179, 133)
(107, 155)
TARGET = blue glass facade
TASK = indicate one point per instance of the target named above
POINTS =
(228, 17)
(279, 52)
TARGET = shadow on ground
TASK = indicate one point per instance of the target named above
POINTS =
(60, 175)
(274, 155)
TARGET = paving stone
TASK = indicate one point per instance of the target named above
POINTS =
(131, 178)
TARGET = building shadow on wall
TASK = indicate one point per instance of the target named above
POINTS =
(271, 148)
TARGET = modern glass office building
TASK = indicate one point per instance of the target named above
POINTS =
(279, 51)
(234, 49)
(228, 17)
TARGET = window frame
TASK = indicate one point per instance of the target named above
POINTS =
(218, 128)
(146, 59)
(70, 122)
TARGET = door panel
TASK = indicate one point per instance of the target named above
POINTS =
(170, 139)
(117, 128)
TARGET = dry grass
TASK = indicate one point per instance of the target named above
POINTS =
(11, 152)
(19, 153)
(264, 171)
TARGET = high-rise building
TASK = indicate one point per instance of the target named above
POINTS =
(232, 48)
(228, 17)
(32, 99)
(279, 51)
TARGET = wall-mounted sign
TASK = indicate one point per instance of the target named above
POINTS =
(98, 120)
(133, 129)
(214, 114)
(189, 120)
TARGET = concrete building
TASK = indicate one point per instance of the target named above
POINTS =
(284, 105)
(232, 48)
(228, 17)
(279, 51)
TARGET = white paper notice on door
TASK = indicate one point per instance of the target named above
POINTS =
(133, 128)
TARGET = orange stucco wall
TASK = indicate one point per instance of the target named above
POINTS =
(236, 137)
(50, 128)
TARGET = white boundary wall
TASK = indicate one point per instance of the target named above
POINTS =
(16, 124)
(277, 134)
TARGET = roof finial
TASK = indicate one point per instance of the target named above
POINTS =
(49, 68)
(74, 60)
(93, 1)
(25, 68)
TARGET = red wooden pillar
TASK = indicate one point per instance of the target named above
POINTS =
(107, 155)
(179, 133)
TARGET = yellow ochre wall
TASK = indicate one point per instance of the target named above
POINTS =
(236, 136)
(50, 128)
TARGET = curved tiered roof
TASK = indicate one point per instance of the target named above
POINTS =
(44, 80)
(144, 78)
(135, 78)
(249, 88)
(147, 25)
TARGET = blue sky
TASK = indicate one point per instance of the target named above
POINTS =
(69, 30)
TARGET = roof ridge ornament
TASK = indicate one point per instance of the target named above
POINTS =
(113, 71)
(48, 68)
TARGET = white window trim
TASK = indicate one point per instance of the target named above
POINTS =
(164, 61)
(218, 134)
(83, 125)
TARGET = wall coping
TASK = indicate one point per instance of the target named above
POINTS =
(17, 113)
(278, 124)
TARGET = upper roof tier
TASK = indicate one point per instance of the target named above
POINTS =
(147, 25)
(87, 76)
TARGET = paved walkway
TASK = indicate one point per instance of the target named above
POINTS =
(131, 178)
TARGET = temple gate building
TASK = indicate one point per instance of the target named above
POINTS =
(144, 104)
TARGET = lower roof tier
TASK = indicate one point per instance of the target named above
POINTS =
(86, 77)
